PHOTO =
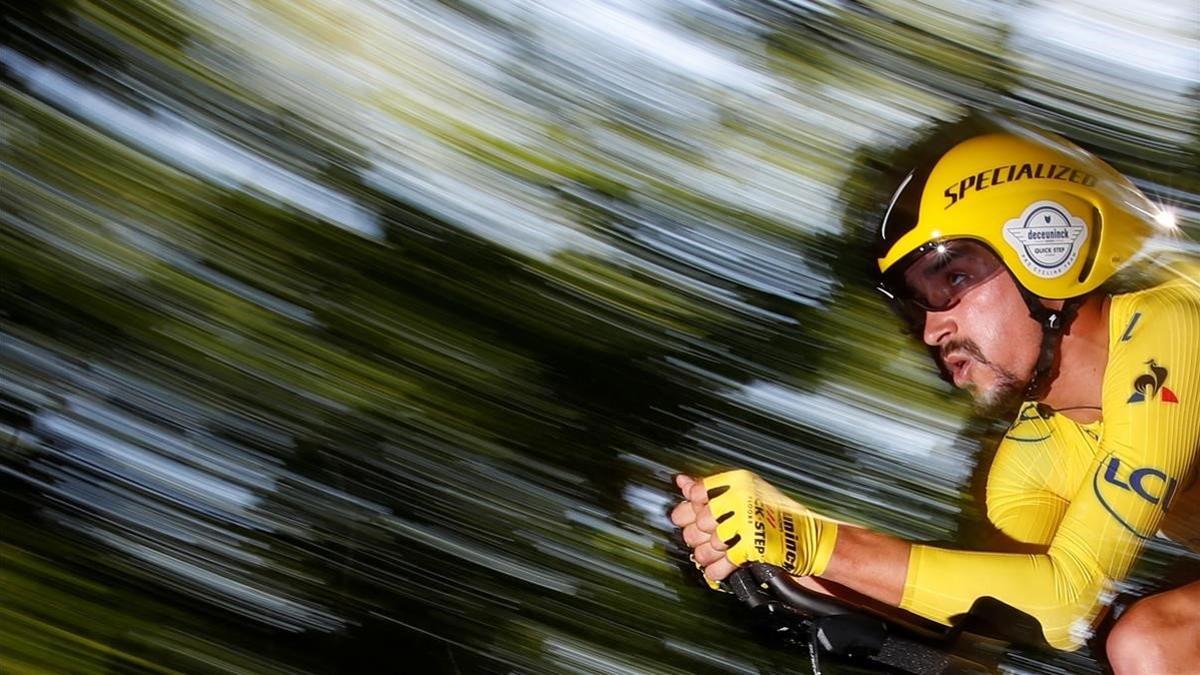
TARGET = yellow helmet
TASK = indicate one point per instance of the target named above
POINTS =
(1060, 219)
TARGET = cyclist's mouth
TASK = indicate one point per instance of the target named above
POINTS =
(958, 365)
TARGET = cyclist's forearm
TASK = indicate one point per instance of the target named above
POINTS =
(873, 564)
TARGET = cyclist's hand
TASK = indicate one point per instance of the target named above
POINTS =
(747, 520)
(699, 531)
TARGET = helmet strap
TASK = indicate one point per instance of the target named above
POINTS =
(1054, 323)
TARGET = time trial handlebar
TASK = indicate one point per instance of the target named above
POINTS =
(829, 626)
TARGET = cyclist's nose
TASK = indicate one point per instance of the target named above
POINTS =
(939, 327)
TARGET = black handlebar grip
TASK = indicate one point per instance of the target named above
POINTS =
(805, 601)
(746, 589)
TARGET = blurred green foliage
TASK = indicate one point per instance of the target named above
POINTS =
(247, 436)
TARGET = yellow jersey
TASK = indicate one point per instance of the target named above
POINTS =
(1091, 494)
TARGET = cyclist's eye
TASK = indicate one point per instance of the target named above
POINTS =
(954, 278)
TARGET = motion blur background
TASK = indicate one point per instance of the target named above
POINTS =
(365, 336)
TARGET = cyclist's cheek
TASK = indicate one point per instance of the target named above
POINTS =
(994, 316)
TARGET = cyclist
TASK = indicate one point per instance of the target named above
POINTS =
(999, 250)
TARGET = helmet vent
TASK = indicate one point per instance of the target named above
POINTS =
(1089, 260)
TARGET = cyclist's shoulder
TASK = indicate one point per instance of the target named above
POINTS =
(1153, 369)
(1175, 287)
(1029, 423)
(1169, 308)
(1039, 437)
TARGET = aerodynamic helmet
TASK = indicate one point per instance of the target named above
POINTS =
(1061, 220)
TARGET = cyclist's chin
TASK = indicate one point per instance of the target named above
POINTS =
(999, 397)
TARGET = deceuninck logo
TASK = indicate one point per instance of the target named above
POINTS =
(1046, 237)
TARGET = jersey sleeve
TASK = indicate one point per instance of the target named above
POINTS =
(1151, 438)
(1020, 500)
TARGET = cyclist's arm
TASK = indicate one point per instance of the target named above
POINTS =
(1029, 484)
(1149, 450)
(871, 563)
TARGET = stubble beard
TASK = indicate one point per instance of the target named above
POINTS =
(1007, 392)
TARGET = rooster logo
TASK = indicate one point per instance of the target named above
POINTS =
(1151, 384)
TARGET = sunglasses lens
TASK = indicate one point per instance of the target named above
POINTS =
(939, 278)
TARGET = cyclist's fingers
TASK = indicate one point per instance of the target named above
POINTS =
(720, 569)
(697, 493)
(683, 514)
(705, 555)
(705, 520)
(717, 543)
(684, 483)
(693, 536)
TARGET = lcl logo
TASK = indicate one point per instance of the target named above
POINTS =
(1142, 480)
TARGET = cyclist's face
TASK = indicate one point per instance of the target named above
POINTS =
(987, 340)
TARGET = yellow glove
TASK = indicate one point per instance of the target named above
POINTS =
(759, 524)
